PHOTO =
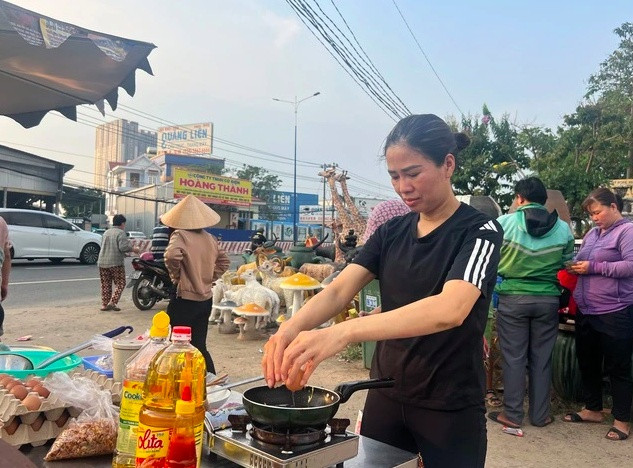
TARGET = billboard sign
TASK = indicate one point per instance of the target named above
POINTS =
(282, 203)
(192, 139)
(212, 188)
(313, 214)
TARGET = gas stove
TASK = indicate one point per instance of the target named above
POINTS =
(250, 445)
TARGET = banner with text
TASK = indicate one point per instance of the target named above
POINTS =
(212, 188)
(194, 139)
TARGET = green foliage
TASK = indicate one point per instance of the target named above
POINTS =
(493, 158)
(613, 84)
(353, 352)
(264, 186)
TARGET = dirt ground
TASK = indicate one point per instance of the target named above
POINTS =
(557, 445)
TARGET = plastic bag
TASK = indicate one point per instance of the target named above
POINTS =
(103, 343)
(94, 431)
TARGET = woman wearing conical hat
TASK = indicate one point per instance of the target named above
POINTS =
(194, 261)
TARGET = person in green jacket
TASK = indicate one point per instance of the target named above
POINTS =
(536, 244)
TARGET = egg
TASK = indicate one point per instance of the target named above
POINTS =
(32, 402)
(9, 384)
(19, 391)
(62, 419)
(12, 426)
(42, 391)
(33, 382)
(37, 424)
(5, 378)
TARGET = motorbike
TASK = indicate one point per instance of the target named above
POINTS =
(150, 282)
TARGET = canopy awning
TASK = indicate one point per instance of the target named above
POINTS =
(46, 64)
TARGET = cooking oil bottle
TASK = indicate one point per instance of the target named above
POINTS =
(132, 393)
(178, 366)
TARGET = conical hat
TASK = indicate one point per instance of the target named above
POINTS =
(190, 213)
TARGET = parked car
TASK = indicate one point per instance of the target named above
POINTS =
(38, 234)
(136, 235)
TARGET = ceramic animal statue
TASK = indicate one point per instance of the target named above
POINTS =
(318, 271)
(271, 279)
(260, 295)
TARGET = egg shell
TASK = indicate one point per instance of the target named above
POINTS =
(32, 402)
(37, 424)
(42, 391)
(19, 391)
(12, 426)
(5, 378)
(9, 384)
(33, 382)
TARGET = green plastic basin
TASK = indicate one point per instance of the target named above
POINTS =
(38, 355)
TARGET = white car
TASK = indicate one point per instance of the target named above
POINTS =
(38, 234)
(136, 235)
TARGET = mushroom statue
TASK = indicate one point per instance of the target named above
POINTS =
(298, 283)
(250, 312)
(225, 324)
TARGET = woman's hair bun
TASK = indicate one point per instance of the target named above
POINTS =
(462, 140)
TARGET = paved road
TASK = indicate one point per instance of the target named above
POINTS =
(40, 283)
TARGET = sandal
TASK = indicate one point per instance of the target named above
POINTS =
(494, 416)
(106, 307)
(576, 418)
(114, 307)
(619, 435)
(492, 399)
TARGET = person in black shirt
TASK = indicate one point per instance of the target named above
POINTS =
(437, 268)
(257, 239)
(160, 240)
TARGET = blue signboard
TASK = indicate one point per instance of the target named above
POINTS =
(282, 204)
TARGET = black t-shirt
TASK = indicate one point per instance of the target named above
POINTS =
(443, 370)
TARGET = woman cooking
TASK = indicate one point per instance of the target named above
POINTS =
(437, 268)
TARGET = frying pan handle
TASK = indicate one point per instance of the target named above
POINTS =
(346, 389)
(118, 331)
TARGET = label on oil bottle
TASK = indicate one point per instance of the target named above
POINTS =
(152, 445)
(131, 404)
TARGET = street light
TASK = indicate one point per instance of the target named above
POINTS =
(295, 103)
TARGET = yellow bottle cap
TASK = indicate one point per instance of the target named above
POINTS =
(185, 407)
(160, 325)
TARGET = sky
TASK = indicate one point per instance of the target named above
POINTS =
(224, 62)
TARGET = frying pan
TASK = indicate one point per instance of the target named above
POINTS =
(312, 406)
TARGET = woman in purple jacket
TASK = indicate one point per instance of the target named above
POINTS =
(604, 323)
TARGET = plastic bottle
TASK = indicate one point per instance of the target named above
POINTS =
(136, 368)
(182, 444)
(176, 367)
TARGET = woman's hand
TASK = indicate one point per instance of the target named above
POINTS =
(307, 351)
(580, 268)
(274, 352)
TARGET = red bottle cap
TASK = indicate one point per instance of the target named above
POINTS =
(181, 333)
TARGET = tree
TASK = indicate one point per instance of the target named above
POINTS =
(614, 84)
(495, 155)
(264, 185)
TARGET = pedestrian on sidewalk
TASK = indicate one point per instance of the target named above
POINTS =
(194, 261)
(114, 246)
(536, 244)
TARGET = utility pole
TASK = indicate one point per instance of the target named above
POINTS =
(324, 166)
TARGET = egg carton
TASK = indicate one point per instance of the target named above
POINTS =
(38, 432)
(105, 382)
(10, 407)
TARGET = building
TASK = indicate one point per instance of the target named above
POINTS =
(118, 141)
(28, 180)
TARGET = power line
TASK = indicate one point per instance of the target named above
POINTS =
(427, 58)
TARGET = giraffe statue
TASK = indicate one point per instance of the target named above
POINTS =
(344, 222)
(358, 220)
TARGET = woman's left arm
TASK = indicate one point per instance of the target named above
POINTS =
(618, 269)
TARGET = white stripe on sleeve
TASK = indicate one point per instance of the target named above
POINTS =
(479, 258)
